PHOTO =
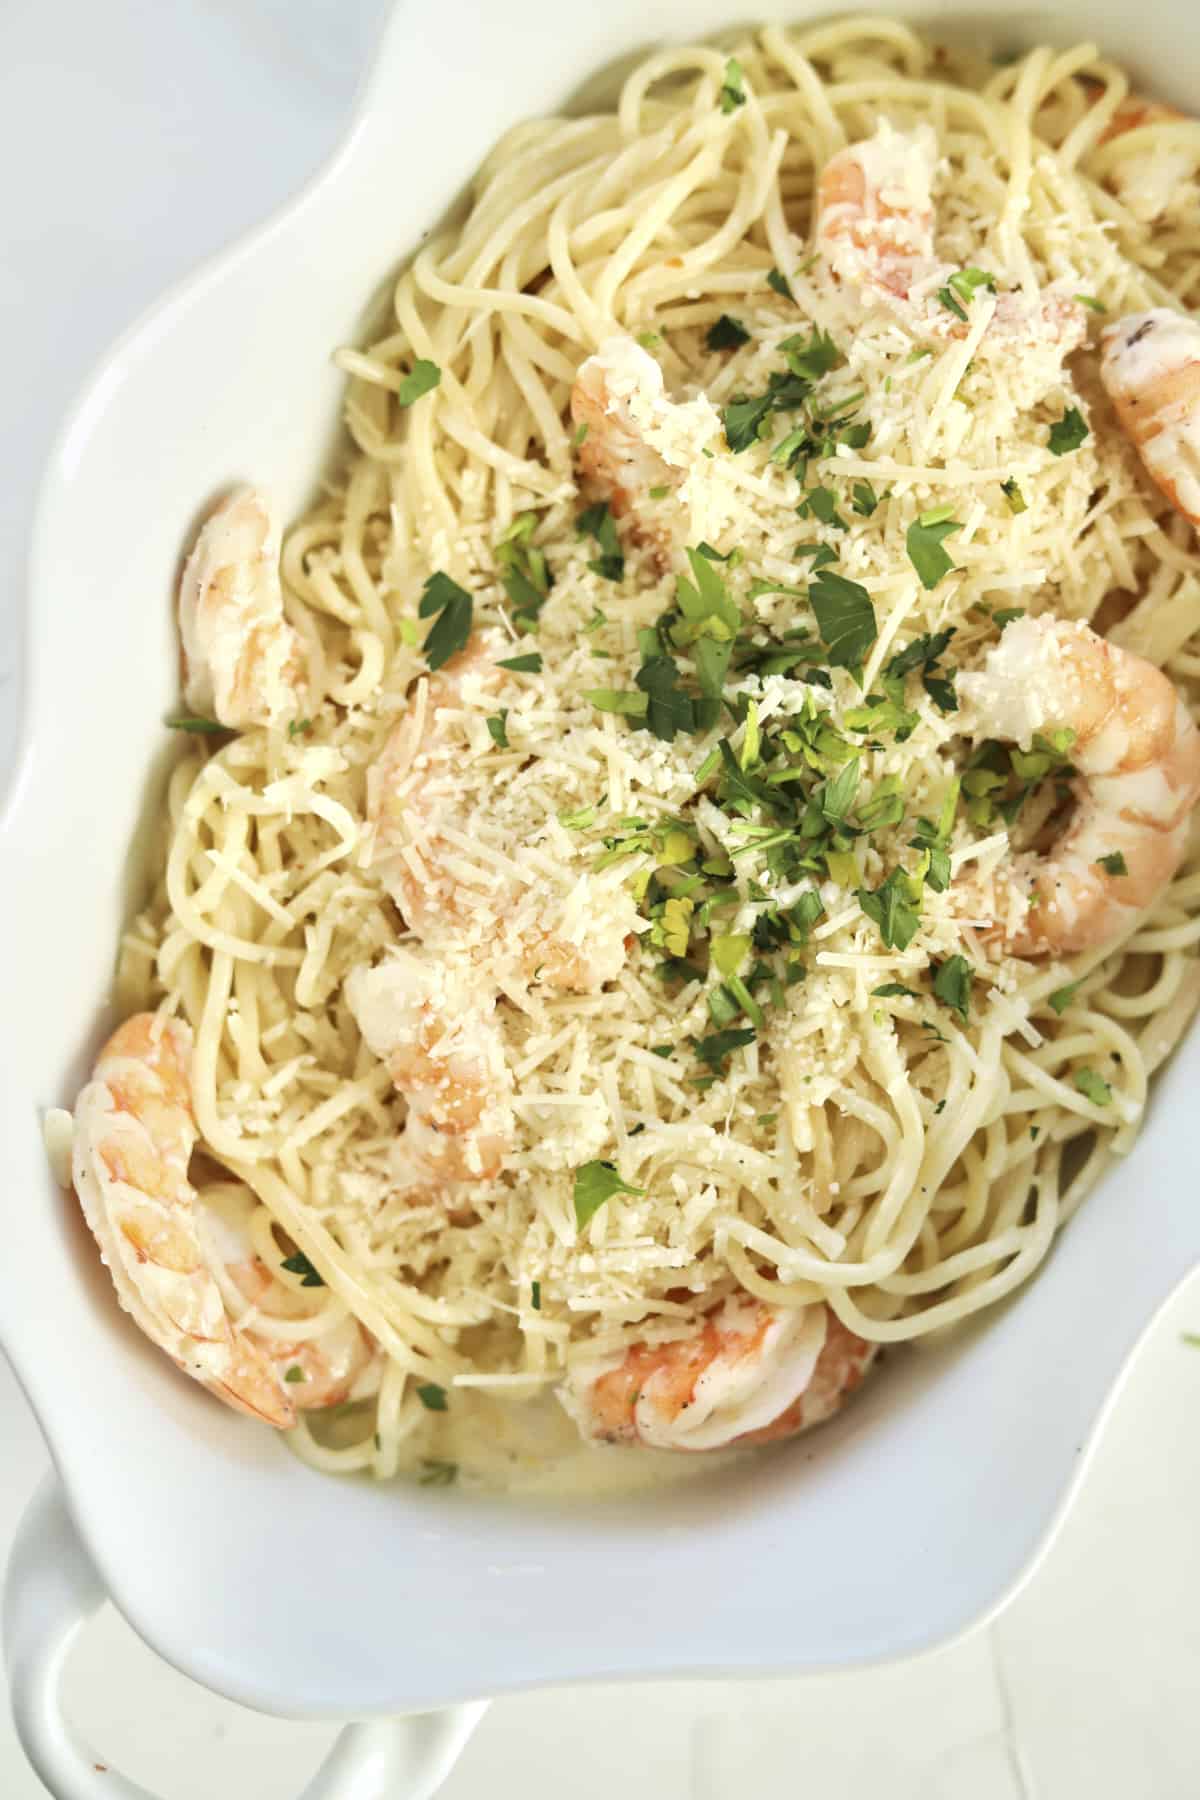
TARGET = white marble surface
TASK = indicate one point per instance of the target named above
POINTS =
(135, 137)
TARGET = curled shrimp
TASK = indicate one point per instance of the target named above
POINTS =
(241, 658)
(1136, 752)
(748, 1374)
(638, 443)
(135, 1131)
(1150, 366)
(875, 211)
(414, 805)
(1147, 180)
(875, 230)
(434, 1026)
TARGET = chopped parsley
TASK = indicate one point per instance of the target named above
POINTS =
(432, 1397)
(952, 985)
(421, 379)
(821, 503)
(524, 574)
(727, 334)
(924, 540)
(733, 94)
(779, 284)
(1091, 302)
(1017, 502)
(579, 436)
(528, 664)
(1068, 433)
(535, 1295)
(597, 522)
(720, 1045)
(1113, 864)
(1062, 997)
(894, 990)
(202, 727)
(452, 627)
(845, 618)
(1006, 615)
(497, 725)
(1093, 1087)
(864, 499)
(964, 284)
(596, 1183)
(299, 728)
(295, 1373)
(894, 908)
(300, 1265)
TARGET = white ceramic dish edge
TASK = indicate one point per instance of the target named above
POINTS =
(467, 61)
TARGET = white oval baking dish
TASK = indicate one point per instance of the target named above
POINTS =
(887, 1532)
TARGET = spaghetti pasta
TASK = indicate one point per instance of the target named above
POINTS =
(904, 1157)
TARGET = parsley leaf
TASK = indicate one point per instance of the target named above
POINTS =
(1006, 615)
(864, 499)
(719, 1045)
(528, 664)
(821, 503)
(1092, 304)
(1017, 502)
(523, 572)
(597, 522)
(432, 1397)
(452, 627)
(845, 618)
(923, 542)
(421, 379)
(891, 908)
(535, 1295)
(811, 357)
(733, 94)
(1068, 432)
(727, 334)
(1114, 863)
(1062, 997)
(952, 985)
(894, 990)
(497, 724)
(779, 284)
(1093, 1087)
(300, 1265)
(596, 1182)
(744, 419)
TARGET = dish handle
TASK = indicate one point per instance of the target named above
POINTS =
(51, 1591)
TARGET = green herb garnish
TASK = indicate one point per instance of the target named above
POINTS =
(432, 1397)
(733, 93)
(952, 985)
(923, 542)
(300, 1265)
(1068, 432)
(421, 379)
(727, 334)
(452, 626)
(595, 1183)
(1093, 1087)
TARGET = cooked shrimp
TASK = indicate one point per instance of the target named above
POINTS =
(322, 1352)
(414, 803)
(135, 1131)
(1146, 181)
(875, 220)
(875, 211)
(433, 1024)
(750, 1373)
(1151, 368)
(1136, 753)
(639, 442)
(242, 660)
